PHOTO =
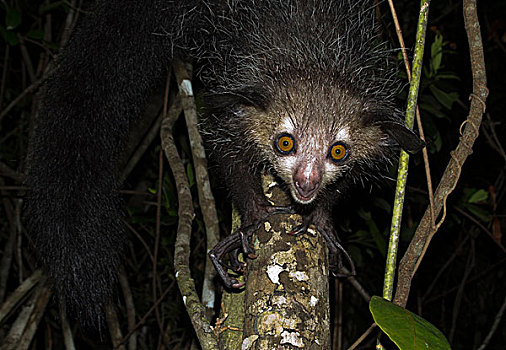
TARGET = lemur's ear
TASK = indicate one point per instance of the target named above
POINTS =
(250, 97)
(405, 137)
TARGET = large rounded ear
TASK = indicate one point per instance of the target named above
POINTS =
(250, 97)
(405, 137)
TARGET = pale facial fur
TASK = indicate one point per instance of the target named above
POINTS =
(315, 129)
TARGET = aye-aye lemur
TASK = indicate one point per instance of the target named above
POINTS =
(298, 88)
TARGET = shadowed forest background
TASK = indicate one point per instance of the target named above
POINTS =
(459, 286)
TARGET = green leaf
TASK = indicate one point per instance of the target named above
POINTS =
(356, 254)
(445, 98)
(448, 75)
(436, 53)
(433, 108)
(438, 141)
(366, 215)
(189, 173)
(480, 213)
(478, 196)
(12, 19)
(383, 204)
(10, 37)
(378, 238)
(407, 330)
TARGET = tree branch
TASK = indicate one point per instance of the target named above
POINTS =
(425, 230)
(287, 294)
(186, 284)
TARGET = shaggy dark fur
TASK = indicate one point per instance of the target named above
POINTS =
(315, 62)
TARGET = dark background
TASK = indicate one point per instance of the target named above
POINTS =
(460, 285)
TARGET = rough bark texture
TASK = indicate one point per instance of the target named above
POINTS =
(230, 332)
(287, 294)
(186, 284)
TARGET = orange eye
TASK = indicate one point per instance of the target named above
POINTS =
(285, 144)
(338, 152)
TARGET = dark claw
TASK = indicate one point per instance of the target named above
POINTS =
(245, 235)
(237, 243)
(338, 269)
(235, 265)
(299, 230)
(227, 245)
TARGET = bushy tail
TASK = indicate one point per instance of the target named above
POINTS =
(99, 82)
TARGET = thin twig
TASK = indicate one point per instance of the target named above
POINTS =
(130, 308)
(26, 58)
(5, 170)
(66, 331)
(474, 278)
(30, 309)
(460, 292)
(425, 231)
(404, 158)
(19, 294)
(418, 116)
(483, 228)
(113, 325)
(70, 22)
(148, 313)
(186, 284)
(362, 337)
(35, 317)
(8, 252)
(497, 143)
(4, 73)
(497, 320)
(206, 198)
(14, 102)
(356, 284)
(157, 239)
(151, 135)
(447, 263)
(143, 242)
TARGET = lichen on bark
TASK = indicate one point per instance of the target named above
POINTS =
(286, 298)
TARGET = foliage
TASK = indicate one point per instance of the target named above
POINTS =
(408, 330)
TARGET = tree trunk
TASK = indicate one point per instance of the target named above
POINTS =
(287, 293)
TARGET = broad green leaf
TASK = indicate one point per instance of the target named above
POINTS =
(12, 19)
(478, 196)
(383, 204)
(366, 215)
(438, 141)
(407, 330)
(378, 238)
(480, 213)
(445, 98)
(10, 37)
(435, 109)
(356, 254)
